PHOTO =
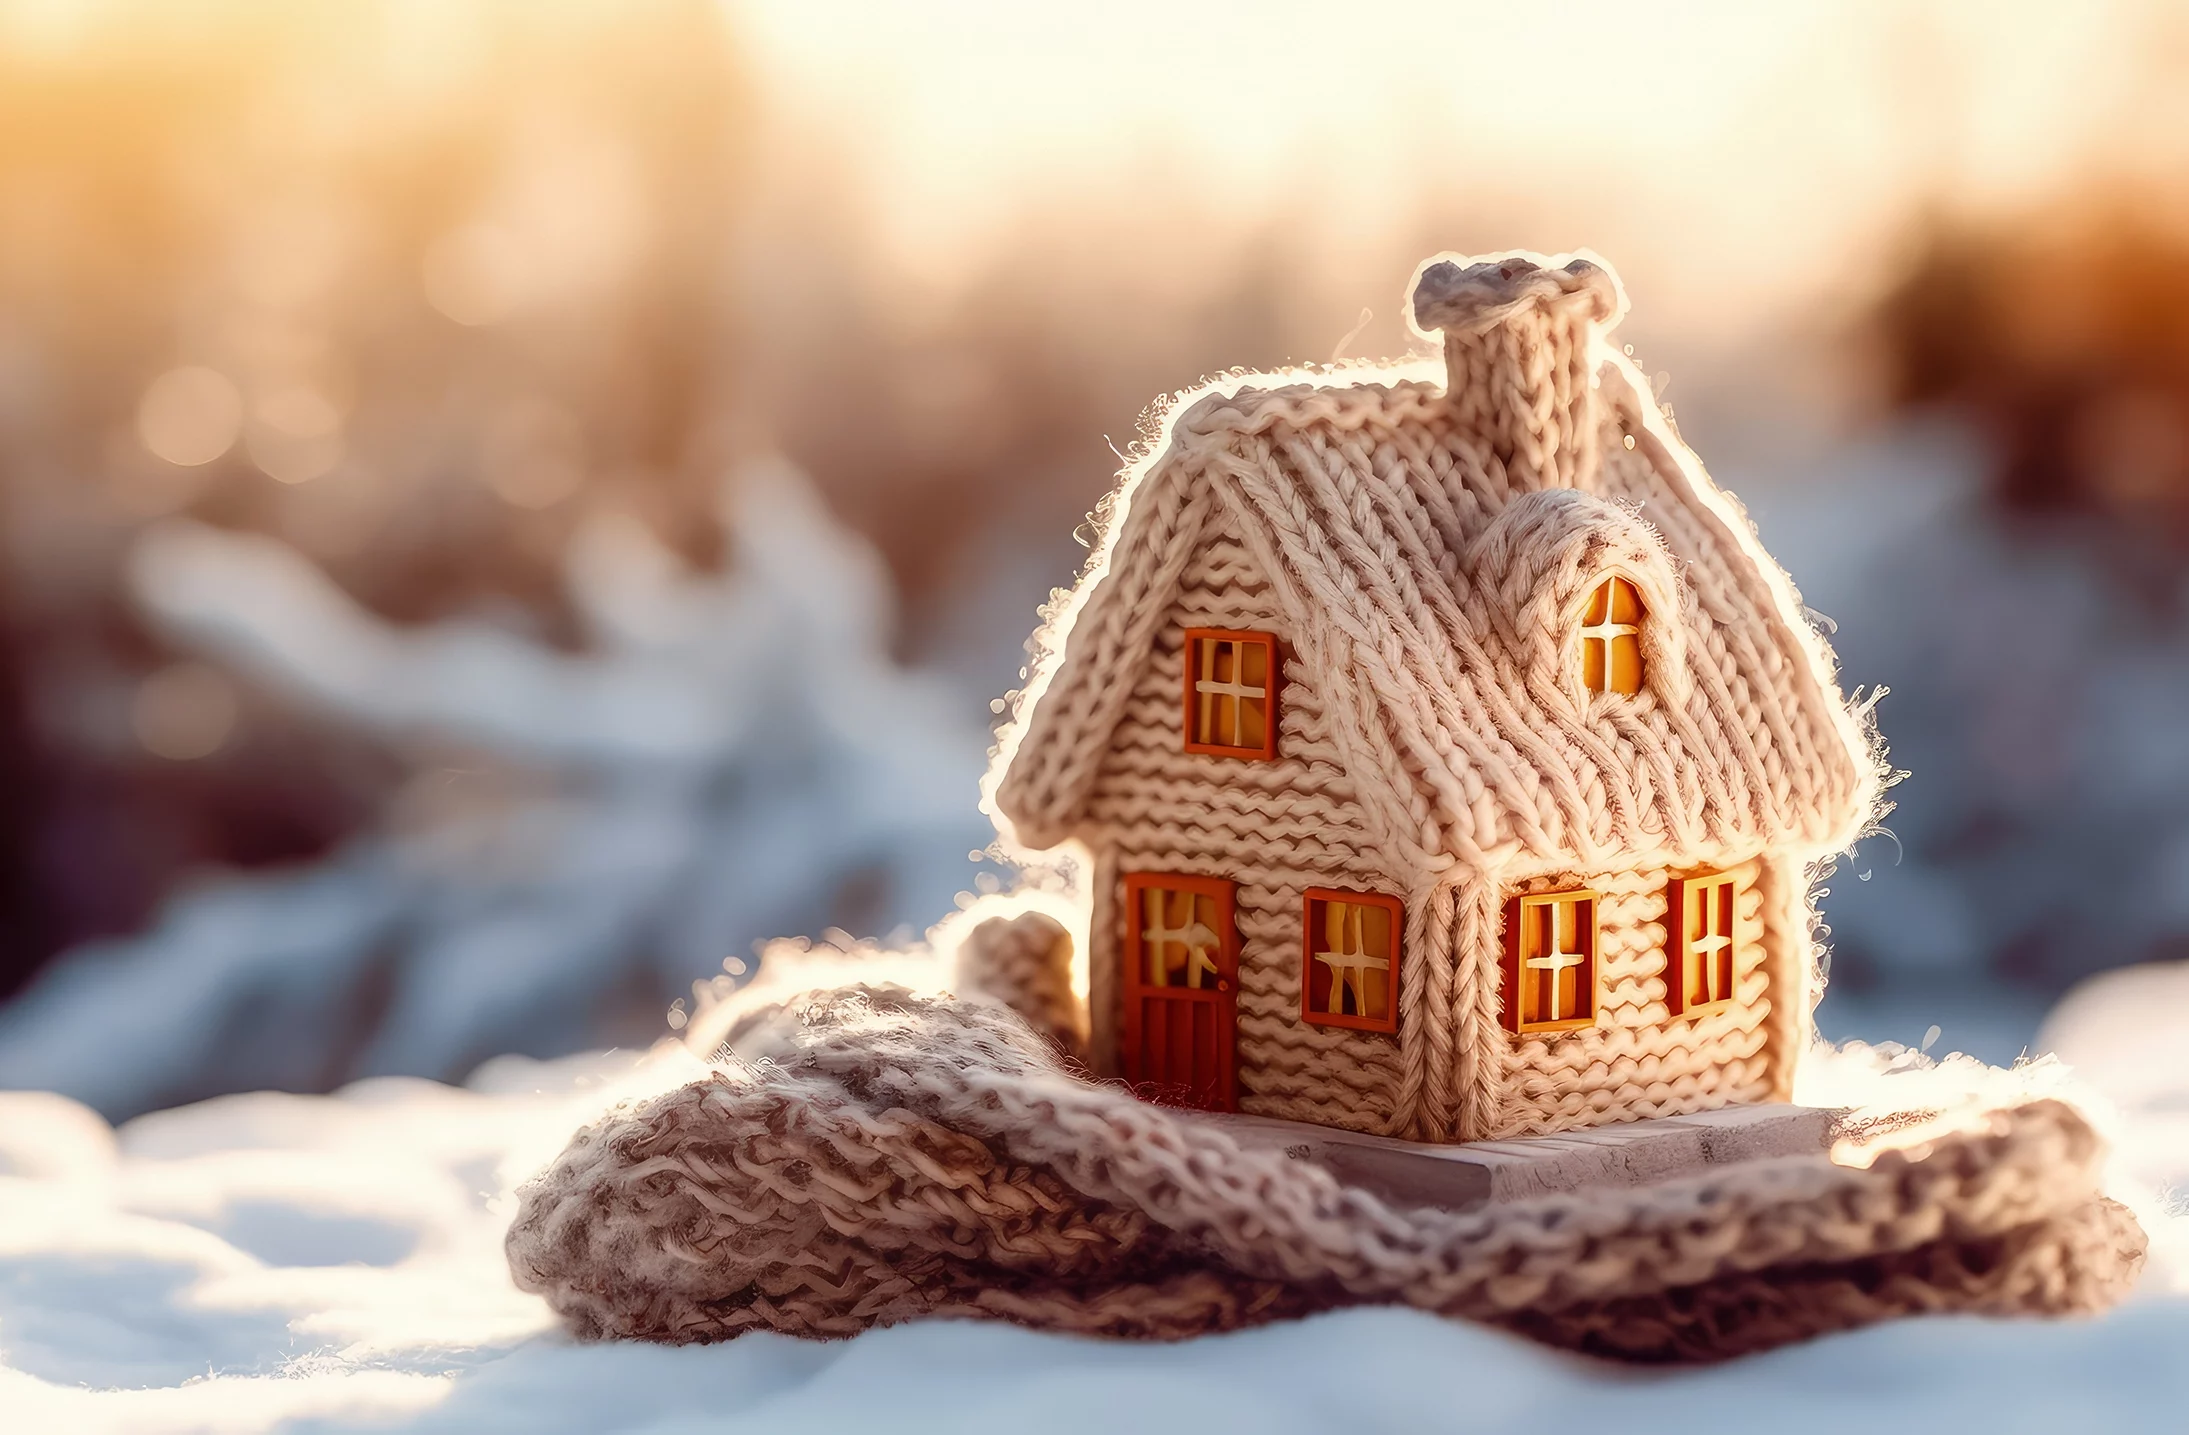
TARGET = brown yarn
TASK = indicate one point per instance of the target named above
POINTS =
(875, 1157)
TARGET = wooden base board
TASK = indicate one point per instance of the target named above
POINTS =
(1632, 1153)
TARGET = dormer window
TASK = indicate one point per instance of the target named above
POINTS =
(1231, 693)
(1611, 639)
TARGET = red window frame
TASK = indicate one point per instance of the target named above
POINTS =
(1274, 681)
(1312, 903)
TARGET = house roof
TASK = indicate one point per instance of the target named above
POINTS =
(1437, 542)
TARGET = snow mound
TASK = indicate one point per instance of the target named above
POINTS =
(300, 1263)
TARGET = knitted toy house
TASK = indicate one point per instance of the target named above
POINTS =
(1449, 759)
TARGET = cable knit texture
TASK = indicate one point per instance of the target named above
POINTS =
(1426, 553)
(876, 1157)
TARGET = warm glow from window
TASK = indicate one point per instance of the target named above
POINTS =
(1351, 956)
(1180, 937)
(1550, 962)
(1611, 641)
(1701, 943)
(1231, 706)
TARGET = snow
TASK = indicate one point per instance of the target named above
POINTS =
(332, 1263)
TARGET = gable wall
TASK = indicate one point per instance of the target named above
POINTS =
(1275, 828)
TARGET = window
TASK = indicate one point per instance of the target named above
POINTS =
(1350, 957)
(1178, 932)
(1550, 962)
(1611, 641)
(1231, 693)
(1701, 944)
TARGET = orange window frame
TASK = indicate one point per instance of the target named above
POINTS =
(1524, 970)
(1702, 928)
(1314, 905)
(1192, 694)
(1611, 637)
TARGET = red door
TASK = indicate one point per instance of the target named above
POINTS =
(1180, 981)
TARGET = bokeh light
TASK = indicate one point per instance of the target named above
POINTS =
(190, 415)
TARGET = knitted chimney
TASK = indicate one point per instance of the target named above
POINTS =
(1520, 358)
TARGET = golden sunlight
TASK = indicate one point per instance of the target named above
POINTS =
(1728, 150)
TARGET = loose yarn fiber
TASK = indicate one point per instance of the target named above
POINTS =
(879, 1157)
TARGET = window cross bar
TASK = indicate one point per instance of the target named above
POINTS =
(1210, 686)
(1555, 962)
(1194, 936)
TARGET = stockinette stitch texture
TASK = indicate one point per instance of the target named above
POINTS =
(874, 1157)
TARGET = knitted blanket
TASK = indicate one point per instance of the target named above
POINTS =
(874, 1156)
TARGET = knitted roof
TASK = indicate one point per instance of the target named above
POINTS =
(1431, 547)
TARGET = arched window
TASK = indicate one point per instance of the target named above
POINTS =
(1611, 639)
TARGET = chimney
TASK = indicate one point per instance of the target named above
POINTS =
(1520, 356)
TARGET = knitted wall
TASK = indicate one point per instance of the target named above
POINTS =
(1276, 828)
(1642, 1063)
(877, 1158)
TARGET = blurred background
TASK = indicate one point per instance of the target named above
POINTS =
(504, 503)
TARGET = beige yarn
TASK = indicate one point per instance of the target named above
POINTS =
(1025, 962)
(879, 1157)
(1426, 550)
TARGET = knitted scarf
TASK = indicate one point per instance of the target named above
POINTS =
(869, 1156)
